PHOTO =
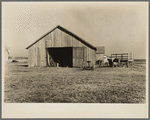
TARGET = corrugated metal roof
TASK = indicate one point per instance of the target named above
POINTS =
(61, 28)
(100, 50)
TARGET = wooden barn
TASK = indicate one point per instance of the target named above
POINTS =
(60, 46)
(100, 51)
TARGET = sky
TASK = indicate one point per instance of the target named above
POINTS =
(121, 27)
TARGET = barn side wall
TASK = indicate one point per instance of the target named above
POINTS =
(39, 59)
(59, 38)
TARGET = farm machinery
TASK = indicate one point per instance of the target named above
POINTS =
(89, 67)
(117, 60)
(120, 60)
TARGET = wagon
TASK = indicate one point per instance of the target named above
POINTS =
(123, 59)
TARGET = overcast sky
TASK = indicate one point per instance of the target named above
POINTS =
(119, 26)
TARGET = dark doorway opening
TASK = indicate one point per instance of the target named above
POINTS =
(63, 56)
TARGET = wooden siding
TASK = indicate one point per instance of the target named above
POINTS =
(100, 50)
(37, 54)
(85, 55)
(78, 56)
(93, 57)
(59, 38)
(78, 52)
(29, 57)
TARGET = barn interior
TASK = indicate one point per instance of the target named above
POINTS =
(61, 55)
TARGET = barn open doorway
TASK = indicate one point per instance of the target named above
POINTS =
(62, 55)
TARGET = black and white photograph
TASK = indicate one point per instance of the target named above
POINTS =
(75, 53)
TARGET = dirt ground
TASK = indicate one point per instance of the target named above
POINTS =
(74, 85)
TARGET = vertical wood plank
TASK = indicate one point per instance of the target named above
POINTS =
(56, 41)
(33, 56)
(68, 40)
(93, 57)
(40, 53)
(32, 50)
(90, 57)
(92, 62)
(89, 54)
(44, 52)
(52, 39)
(35, 50)
(29, 57)
(47, 40)
(80, 44)
(73, 42)
(59, 38)
(85, 55)
(77, 43)
(62, 39)
(37, 56)
(65, 40)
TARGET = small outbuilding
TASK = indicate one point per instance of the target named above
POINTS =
(100, 51)
(60, 46)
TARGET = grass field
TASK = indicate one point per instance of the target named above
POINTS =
(74, 85)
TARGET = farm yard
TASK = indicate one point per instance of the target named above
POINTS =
(24, 84)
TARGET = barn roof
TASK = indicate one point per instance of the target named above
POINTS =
(67, 31)
(100, 50)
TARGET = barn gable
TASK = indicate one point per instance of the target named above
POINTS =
(61, 46)
(59, 33)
